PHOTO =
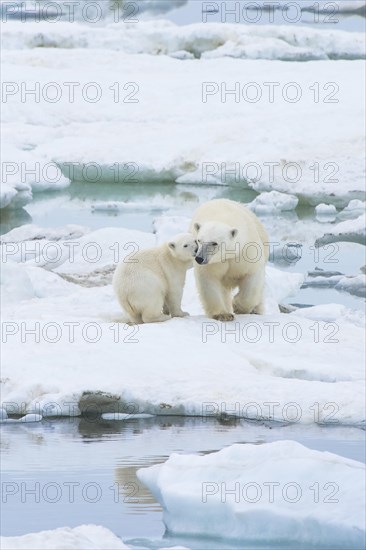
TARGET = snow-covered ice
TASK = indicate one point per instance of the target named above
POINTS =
(330, 313)
(229, 494)
(30, 232)
(272, 202)
(241, 146)
(8, 193)
(353, 230)
(163, 116)
(4, 418)
(325, 210)
(25, 171)
(357, 225)
(355, 206)
(213, 40)
(165, 227)
(274, 358)
(355, 284)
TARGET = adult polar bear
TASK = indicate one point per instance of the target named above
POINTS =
(232, 254)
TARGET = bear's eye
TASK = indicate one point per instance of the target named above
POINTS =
(215, 244)
(185, 246)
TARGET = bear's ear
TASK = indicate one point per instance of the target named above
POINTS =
(233, 233)
(197, 227)
(171, 245)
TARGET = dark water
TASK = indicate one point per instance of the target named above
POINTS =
(78, 471)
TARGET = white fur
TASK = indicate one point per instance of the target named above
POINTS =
(231, 242)
(150, 287)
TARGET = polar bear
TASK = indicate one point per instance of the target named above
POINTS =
(233, 251)
(150, 287)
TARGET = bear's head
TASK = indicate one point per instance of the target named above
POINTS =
(216, 242)
(183, 247)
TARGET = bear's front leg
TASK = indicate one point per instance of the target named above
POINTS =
(215, 298)
(249, 299)
(173, 304)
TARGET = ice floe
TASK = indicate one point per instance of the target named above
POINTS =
(213, 40)
(89, 358)
(242, 146)
(348, 231)
(227, 494)
(84, 537)
(268, 203)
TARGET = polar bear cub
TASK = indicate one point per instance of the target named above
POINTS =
(150, 287)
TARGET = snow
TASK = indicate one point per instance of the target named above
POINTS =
(356, 225)
(66, 347)
(330, 313)
(72, 251)
(29, 232)
(25, 283)
(227, 495)
(26, 171)
(354, 285)
(69, 316)
(213, 40)
(355, 205)
(84, 537)
(325, 210)
(14, 194)
(280, 285)
(240, 143)
(7, 195)
(269, 203)
(182, 54)
(24, 419)
(353, 230)
(165, 227)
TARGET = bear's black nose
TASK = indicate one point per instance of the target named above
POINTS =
(199, 260)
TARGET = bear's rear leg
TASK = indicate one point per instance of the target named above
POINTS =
(135, 320)
(155, 314)
(146, 318)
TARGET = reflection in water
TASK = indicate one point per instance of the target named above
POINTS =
(107, 454)
(136, 496)
(98, 205)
